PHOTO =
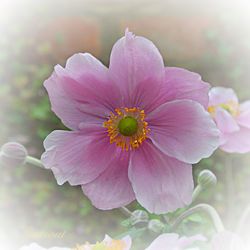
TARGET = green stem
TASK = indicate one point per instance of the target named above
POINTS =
(125, 211)
(196, 192)
(209, 210)
(34, 161)
(230, 188)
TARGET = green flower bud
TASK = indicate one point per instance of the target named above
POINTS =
(139, 218)
(156, 226)
(13, 154)
(206, 178)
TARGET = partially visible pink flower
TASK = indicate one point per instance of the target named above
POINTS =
(232, 119)
(35, 246)
(174, 242)
(111, 244)
(228, 241)
(137, 127)
(107, 244)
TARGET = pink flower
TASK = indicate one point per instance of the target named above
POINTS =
(173, 242)
(228, 241)
(35, 246)
(107, 244)
(137, 127)
(110, 244)
(232, 119)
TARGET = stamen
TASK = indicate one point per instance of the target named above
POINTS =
(113, 245)
(231, 107)
(127, 127)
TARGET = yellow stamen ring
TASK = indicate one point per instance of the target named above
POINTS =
(130, 137)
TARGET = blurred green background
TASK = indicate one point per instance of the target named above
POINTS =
(208, 37)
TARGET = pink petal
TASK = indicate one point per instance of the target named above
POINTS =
(237, 142)
(187, 241)
(133, 60)
(127, 240)
(147, 96)
(228, 241)
(184, 130)
(221, 95)
(184, 84)
(178, 84)
(82, 64)
(164, 241)
(76, 157)
(244, 117)
(161, 183)
(171, 241)
(82, 91)
(225, 121)
(112, 188)
(35, 246)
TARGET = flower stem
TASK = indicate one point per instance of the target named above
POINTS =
(229, 187)
(198, 189)
(34, 161)
(125, 211)
(209, 210)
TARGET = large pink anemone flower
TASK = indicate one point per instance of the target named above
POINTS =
(232, 119)
(137, 127)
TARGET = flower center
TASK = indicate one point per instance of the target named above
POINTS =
(127, 127)
(231, 107)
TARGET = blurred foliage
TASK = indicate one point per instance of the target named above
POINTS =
(30, 197)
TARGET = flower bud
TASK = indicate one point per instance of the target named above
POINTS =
(206, 178)
(156, 226)
(139, 218)
(12, 154)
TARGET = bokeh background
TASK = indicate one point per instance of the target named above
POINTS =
(207, 36)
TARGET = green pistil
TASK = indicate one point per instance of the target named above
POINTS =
(128, 126)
